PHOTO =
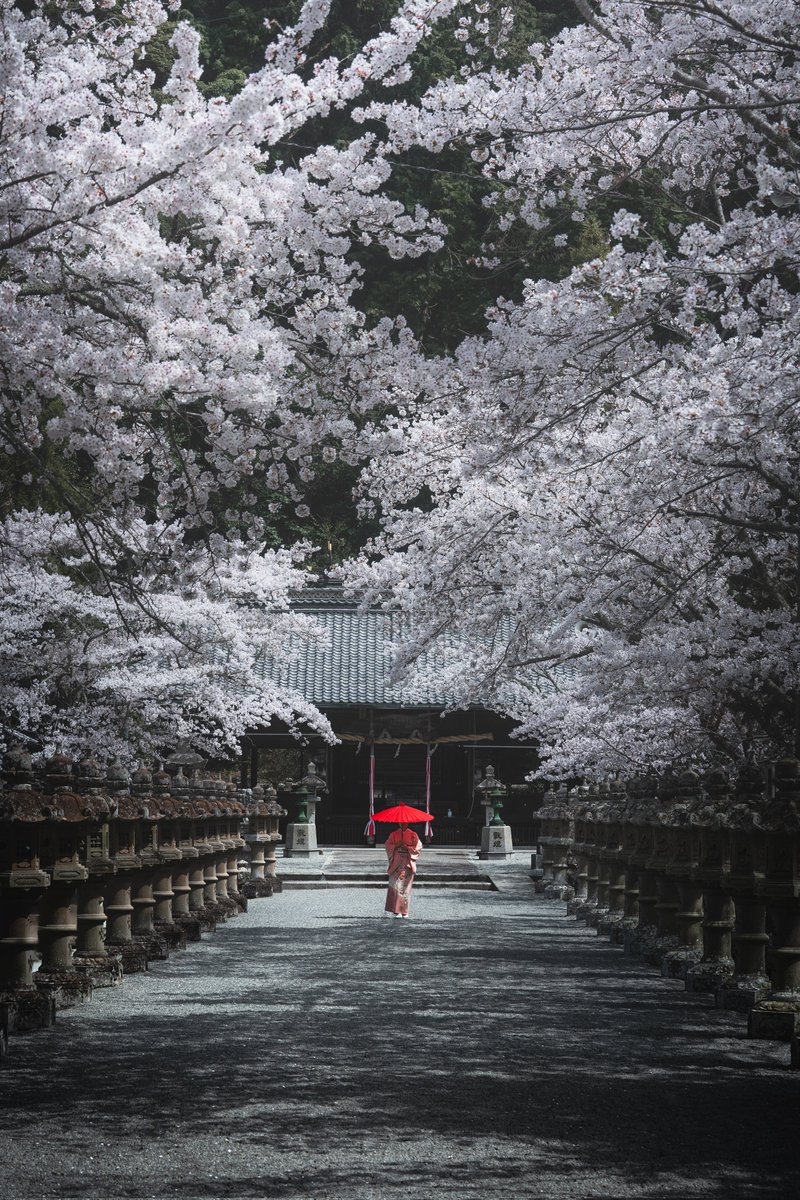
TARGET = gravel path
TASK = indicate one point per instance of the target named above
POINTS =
(488, 1047)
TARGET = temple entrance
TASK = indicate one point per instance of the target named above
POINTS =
(400, 775)
(461, 745)
(388, 734)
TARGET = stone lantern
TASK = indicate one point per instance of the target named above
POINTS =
(640, 930)
(301, 834)
(90, 775)
(23, 883)
(117, 902)
(683, 823)
(611, 915)
(599, 862)
(314, 783)
(274, 813)
(117, 776)
(496, 835)
(777, 1017)
(628, 849)
(667, 902)
(716, 967)
(741, 881)
(262, 834)
(557, 844)
(17, 768)
(185, 756)
(583, 815)
(63, 834)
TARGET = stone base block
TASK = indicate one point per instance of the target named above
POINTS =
(656, 951)
(558, 891)
(627, 927)
(618, 933)
(608, 925)
(206, 918)
(240, 901)
(134, 957)
(743, 992)
(677, 963)
(153, 945)
(104, 970)
(173, 936)
(216, 911)
(639, 940)
(774, 1020)
(708, 977)
(496, 842)
(28, 1009)
(256, 889)
(67, 988)
(632, 942)
(301, 841)
(190, 926)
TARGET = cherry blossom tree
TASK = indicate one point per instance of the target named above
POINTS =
(173, 298)
(601, 493)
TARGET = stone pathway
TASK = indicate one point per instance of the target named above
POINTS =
(489, 1047)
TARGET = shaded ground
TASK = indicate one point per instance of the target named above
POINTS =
(488, 1047)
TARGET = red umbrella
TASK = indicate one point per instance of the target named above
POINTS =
(403, 814)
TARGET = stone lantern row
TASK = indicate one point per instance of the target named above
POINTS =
(102, 873)
(700, 877)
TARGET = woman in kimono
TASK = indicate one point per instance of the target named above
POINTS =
(403, 848)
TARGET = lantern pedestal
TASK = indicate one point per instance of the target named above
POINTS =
(301, 840)
(496, 842)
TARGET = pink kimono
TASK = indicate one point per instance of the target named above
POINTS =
(403, 848)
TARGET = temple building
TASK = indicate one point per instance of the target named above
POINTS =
(402, 735)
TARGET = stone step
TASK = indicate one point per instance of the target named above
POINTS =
(371, 877)
(453, 882)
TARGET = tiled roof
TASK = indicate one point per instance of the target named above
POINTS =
(354, 668)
